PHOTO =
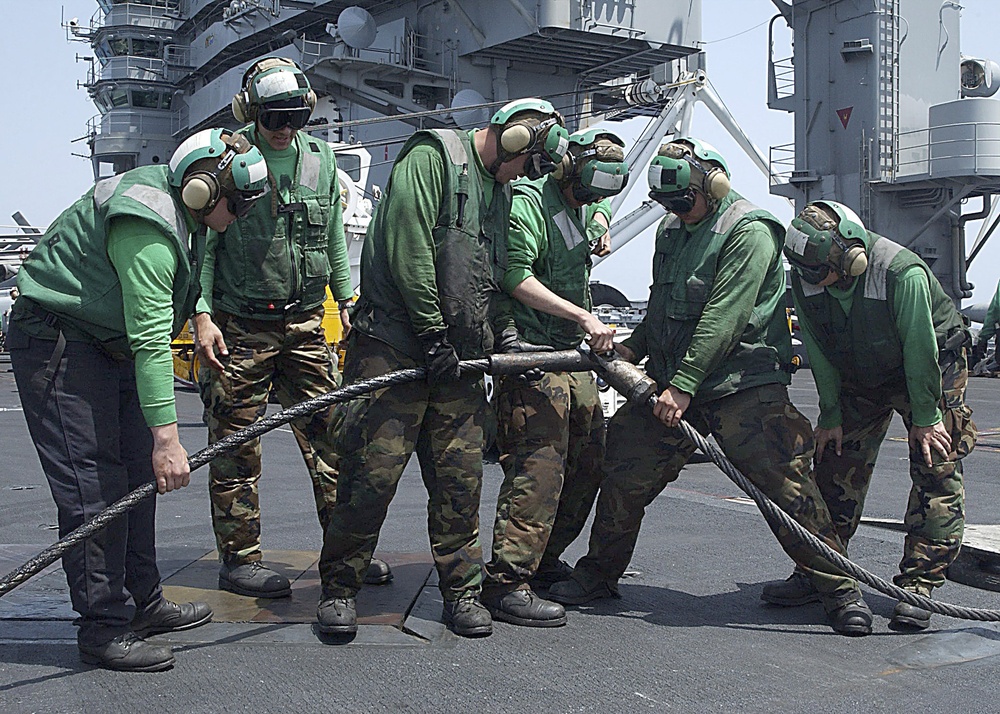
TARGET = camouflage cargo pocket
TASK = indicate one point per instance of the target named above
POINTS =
(963, 430)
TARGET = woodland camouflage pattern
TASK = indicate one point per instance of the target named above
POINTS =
(935, 515)
(294, 359)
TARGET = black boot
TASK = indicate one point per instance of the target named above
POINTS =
(378, 572)
(910, 618)
(581, 589)
(166, 616)
(524, 607)
(467, 617)
(797, 589)
(550, 573)
(253, 580)
(852, 619)
(128, 653)
(337, 616)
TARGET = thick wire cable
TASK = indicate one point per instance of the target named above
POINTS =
(772, 513)
(55, 551)
(775, 516)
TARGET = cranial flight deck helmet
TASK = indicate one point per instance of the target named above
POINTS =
(683, 167)
(275, 92)
(826, 236)
(594, 165)
(214, 164)
(533, 127)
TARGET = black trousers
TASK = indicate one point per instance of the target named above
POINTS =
(94, 447)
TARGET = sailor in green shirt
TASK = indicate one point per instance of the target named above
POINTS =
(716, 341)
(431, 268)
(551, 430)
(108, 286)
(259, 321)
(991, 327)
(882, 336)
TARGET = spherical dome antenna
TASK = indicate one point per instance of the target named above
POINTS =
(469, 118)
(356, 27)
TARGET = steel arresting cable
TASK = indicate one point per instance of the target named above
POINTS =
(772, 512)
(48, 556)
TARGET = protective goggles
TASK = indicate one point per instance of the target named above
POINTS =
(676, 202)
(239, 203)
(812, 274)
(808, 250)
(275, 119)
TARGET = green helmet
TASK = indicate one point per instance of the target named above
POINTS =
(214, 164)
(826, 236)
(683, 166)
(688, 162)
(594, 166)
(275, 82)
(533, 127)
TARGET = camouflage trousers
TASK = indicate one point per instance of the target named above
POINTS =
(551, 437)
(935, 513)
(443, 424)
(764, 436)
(293, 358)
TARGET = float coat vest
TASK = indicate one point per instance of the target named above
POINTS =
(865, 346)
(684, 271)
(274, 259)
(470, 241)
(69, 273)
(564, 268)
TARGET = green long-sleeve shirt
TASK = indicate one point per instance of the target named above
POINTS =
(742, 268)
(991, 323)
(282, 166)
(912, 314)
(528, 239)
(146, 263)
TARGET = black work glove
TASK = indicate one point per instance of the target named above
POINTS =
(510, 341)
(978, 352)
(441, 358)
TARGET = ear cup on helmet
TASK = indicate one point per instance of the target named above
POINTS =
(243, 110)
(717, 184)
(200, 191)
(854, 261)
(516, 138)
(310, 100)
(564, 171)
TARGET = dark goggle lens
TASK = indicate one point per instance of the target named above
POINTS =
(275, 119)
(812, 274)
(679, 202)
(584, 195)
(239, 204)
(538, 165)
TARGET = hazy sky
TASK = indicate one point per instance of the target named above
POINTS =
(45, 112)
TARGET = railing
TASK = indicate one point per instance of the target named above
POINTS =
(138, 124)
(784, 78)
(963, 148)
(177, 56)
(412, 51)
(140, 69)
(781, 161)
(151, 16)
